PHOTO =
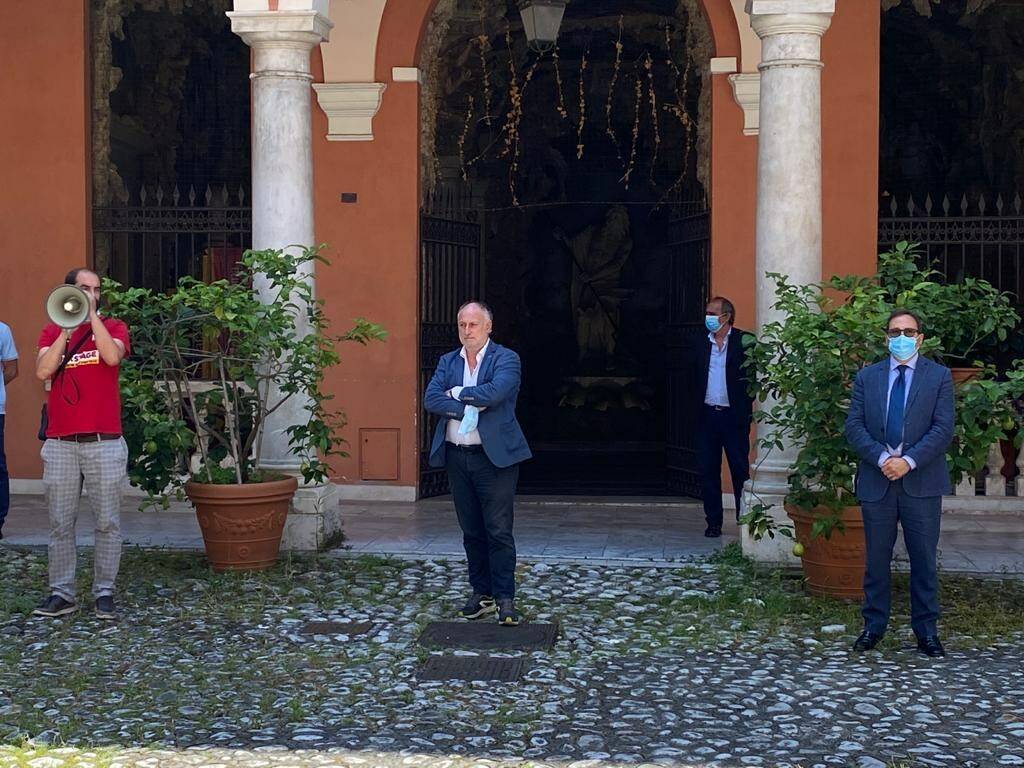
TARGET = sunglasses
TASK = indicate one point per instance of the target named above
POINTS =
(895, 333)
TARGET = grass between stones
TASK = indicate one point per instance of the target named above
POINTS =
(197, 653)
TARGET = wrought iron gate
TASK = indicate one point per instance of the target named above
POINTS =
(688, 287)
(451, 272)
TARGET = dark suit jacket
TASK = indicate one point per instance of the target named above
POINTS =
(927, 429)
(741, 403)
(497, 388)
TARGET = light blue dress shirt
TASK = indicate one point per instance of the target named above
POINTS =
(908, 378)
(717, 393)
(7, 352)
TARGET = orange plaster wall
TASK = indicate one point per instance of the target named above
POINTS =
(733, 193)
(44, 197)
(373, 245)
(849, 130)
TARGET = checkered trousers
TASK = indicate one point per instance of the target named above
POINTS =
(103, 467)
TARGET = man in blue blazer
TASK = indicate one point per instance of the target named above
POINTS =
(901, 424)
(481, 444)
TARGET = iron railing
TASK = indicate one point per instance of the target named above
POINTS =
(978, 237)
(155, 237)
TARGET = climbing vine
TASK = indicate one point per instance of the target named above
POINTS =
(583, 108)
(656, 90)
(608, 105)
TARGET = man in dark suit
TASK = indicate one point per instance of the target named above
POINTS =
(481, 444)
(725, 409)
(901, 424)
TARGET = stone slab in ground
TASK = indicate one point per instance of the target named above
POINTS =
(489, 635)
(472, 668)
(350, 628)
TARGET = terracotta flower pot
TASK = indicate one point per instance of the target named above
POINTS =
(961, 375)
(833, 567)
(242, 524)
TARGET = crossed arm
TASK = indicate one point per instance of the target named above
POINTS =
(436, 399)
(503, 385)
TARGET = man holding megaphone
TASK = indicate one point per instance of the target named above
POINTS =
(80, 353)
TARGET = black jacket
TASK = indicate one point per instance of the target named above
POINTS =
(741, 403)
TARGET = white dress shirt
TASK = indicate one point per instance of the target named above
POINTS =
(717, 392)
(908, 377)
(469, 377)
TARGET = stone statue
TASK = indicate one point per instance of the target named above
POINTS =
(598, 254)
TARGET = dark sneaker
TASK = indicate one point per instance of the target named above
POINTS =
(105, 608)
(478, 605)
(930, 646)
(508, 616)
(53, 606)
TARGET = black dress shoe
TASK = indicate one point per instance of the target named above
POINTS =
(713, 531)
(866, 641)
(930, 646)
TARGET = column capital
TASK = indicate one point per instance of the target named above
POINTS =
(790, 17)
(258, 29)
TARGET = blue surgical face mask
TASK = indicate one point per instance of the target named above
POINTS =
(712, 323)
(902, 347)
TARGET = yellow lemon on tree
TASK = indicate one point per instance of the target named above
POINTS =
(798, 549)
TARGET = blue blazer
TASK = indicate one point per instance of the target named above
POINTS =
(497, 389)
(927, 429)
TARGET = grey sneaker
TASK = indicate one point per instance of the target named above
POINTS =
(508, 616)
(105, 608)
(478, 605)
(54, 606)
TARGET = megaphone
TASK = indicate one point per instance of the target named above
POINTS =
(67, 306)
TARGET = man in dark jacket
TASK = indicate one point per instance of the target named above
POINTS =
(725, 409)
(901, 422)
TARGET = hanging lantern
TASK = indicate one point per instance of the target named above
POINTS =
(541, 20)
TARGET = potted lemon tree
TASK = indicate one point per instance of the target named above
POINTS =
(211, 363)
(804, 365)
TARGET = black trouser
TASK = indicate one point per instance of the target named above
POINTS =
(5, 483)
(717, 431)
(483, 496)
(919, 519)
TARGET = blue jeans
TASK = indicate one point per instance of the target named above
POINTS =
(483, 495)
(5, 482)
(919, 519)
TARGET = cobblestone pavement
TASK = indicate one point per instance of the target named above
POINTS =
(683, 667)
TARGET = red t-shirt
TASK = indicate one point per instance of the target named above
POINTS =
(85, 396)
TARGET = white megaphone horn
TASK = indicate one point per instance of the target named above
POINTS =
(67, 306)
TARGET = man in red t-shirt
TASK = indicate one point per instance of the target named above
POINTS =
(83, 442)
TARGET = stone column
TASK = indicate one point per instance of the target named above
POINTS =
(788, 196)
(282, 193)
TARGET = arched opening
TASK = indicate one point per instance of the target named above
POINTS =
(568, 190)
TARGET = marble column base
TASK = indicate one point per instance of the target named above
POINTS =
(314, 520)
(769, 551)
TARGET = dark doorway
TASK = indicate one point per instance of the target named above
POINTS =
(171, 142)
(583, 169)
